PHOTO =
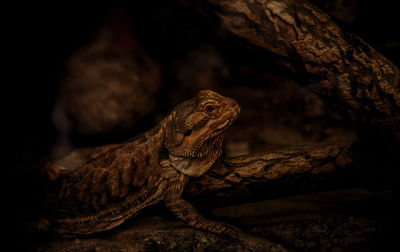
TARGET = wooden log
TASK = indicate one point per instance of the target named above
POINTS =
(343, 69)
(284, 172)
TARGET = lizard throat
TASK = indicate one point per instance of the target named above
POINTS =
(198, 165)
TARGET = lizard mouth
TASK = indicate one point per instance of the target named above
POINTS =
(233, 114)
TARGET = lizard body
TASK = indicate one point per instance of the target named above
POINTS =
(112, 183)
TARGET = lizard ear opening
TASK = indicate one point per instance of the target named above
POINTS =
(188, 133)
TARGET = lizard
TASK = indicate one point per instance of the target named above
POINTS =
(108, 185)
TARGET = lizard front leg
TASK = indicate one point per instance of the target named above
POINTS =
(184, 211)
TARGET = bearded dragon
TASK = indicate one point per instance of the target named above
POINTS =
(112, 183)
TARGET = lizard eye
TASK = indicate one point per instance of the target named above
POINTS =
(187, 133)
(209, 108)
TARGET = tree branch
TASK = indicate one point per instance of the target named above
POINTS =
(341, 67)
(271, 174)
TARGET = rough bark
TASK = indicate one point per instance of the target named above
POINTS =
(269, 175)
(329, 221)
(155, 233)
(341, 67)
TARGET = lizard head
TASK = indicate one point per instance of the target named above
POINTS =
(194, 132)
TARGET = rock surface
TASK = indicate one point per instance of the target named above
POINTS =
(155, 233)
(344, 220)
(109, 84)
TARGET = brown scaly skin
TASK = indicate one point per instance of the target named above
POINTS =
(112, 183)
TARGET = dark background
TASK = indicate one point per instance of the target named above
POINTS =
(43, 36)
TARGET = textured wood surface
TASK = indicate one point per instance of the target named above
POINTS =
(262, 175)
(342, 68)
